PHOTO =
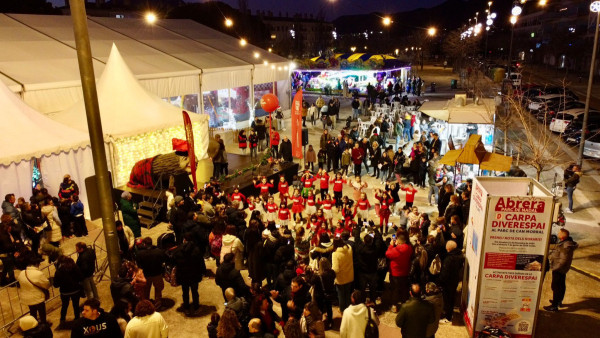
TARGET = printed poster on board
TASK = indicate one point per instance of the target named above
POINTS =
(475, 226)
(515, 242)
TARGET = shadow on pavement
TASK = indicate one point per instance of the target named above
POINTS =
(563, 323)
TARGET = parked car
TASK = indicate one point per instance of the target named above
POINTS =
(536, 91)
(540, 102)
(556, 107)
(572, 133)
(591, 147)
(559, 123)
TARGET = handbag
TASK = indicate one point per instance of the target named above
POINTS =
(45, 291)
(436, 265)
(382, 264)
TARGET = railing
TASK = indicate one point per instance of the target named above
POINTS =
(11, 308)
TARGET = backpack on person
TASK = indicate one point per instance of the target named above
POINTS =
(436, 265)
(215, 245)
(371, 330)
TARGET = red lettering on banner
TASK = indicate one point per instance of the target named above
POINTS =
(507, 204)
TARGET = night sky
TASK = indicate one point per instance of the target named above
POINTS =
(333, 8)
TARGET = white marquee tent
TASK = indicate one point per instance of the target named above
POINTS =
(136, 123)
(170, 58)
(26, 134)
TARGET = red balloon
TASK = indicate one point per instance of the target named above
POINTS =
(269, 102)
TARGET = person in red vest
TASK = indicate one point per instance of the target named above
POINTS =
(386, 201)
(311, 204)
(238, 196)
(362, 208)
(410, 193)
(338, 186)
(271, 209)
(284, 189)
(264, 187)
(297, 206)
(283, 214)
(275, 143)
(323, 178)
(242, 141)
(307, 182)
(327, 206)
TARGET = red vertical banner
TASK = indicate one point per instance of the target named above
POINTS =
(297, 125)
(189, 137)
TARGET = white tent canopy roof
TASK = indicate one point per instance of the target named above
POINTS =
(25, 133)
(482, 113)
(126, 109)
(170, 58)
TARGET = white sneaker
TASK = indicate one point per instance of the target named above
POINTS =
(445, 321)
(568, 211)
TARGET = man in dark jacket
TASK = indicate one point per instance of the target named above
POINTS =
(449, 278)
(121, 289)
(95, 323)
(571, 177)
(189, 262)
(415, 315)
(285, 149)
(178, 218)
(228, 276)
(367, 253)
(560, 258)
(150, 259)
(86, 261)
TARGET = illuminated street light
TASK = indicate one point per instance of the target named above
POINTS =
(256, 55)
(431, 31)
(513, 19)
(270, 50)
(228, 22)
(397, 51)
(352, 49)
(516, 11)
(243, 42)
(150, 17)
(542, 3)
(387, 21)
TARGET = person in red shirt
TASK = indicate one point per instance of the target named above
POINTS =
(327, 206)
(283, 187)
(264, 187)
(311, 204)
(271, 209)
(238, 196)
(338, 186)
(358, 155)
(283, 214)
(386, 202)
(362, 208)
(410, 193)
(242, 141)
(323, 178)
(341, 226)
(399, 253)
(307, 182)
(297, 206)
(275, 143)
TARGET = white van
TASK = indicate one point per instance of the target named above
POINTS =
(515, 79)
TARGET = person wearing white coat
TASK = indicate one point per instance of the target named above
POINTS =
(355, 317)
(234, 245)
(50, 214)
(147, 323)
(32, 282)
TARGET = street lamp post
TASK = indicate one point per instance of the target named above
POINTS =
(516, 11)
(92, 109)
(595, 8)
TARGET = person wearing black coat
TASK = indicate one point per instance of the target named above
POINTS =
(121, 289)
(367, 253)
(228, 276)
(375, 156)
(332, 153)
(177, 219)
(151, 259)
(32, 218)
(444, 198)
(465, 206)
(86, 261)
(253, 247)
(189, 262)
(450, 277)
(299, 297)
(270, 244)
(285, 150)
(68, 278)
(285, 252)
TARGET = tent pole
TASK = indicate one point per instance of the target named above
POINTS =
(88, 84)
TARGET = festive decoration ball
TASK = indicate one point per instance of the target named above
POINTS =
(269, 102)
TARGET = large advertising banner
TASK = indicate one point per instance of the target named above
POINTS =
(297, 125)
(475, 227)
(515, 241)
